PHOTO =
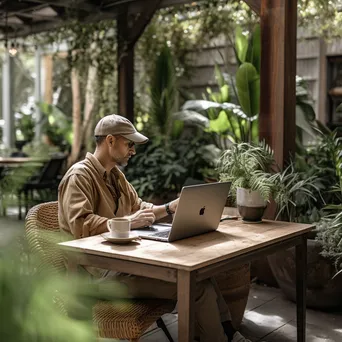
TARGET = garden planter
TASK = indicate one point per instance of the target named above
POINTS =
(234, 285)
(250, 204)
(323, 292)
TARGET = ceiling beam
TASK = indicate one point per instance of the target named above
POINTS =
(95, 13)
(32, 15)
(80, 5)
(39, 27)
(255, 5)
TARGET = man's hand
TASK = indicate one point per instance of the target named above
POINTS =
(174, 205)
(142, 218)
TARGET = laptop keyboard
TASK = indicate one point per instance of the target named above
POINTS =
(164, 234)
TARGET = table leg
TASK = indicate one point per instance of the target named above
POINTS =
(72, 266)
(301, 280)
(186, 287)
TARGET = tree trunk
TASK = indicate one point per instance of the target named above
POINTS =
(76, 117)
(87, 128)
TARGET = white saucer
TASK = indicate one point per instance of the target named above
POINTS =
(132, 236)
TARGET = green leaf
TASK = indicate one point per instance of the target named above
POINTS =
(241, 45)
(192, 118)
(303, 123)
(248, 89)
(254, 49)
(224, 93)
(221, 124)
(219, 76)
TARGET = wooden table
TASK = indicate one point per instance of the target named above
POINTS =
(188, 261)
(15, 161)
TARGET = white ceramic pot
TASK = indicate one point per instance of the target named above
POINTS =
(250, 204)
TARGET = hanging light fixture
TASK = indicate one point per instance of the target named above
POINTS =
(13, 50)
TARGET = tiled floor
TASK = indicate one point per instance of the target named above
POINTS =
(269, 316)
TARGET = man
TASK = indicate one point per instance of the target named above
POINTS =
(95, 190)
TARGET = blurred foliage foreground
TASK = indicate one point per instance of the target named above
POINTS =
(32, 301)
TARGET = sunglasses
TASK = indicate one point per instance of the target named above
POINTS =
(130, 143)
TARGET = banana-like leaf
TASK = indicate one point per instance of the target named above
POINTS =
(254, 49)
(221, 124)
(191, 117)
(200, 105)
(307, 108)
(219, 76)
(241, 45)
(210, 153)
(204, 105)
(303, 123)
(248, 88)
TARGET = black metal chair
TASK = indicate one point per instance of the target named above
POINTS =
(46, 180)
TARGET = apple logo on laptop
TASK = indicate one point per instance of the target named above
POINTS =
(201, 212)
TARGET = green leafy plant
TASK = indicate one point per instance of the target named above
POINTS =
(252, 166)
(159, 172)
(160, 168)
(56, 124)
(248, 166)
(329, 229)
(163, 94)
(29, 306)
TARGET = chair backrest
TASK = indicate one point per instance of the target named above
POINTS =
(52, 169)
(43, 234)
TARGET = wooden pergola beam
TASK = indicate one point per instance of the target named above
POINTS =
(277, 120)
(255, 5)
(80, 5)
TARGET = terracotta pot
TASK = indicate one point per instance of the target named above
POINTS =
(322, 292)
(234, 285)
(250, 204)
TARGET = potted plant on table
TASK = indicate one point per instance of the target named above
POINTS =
(248, 167)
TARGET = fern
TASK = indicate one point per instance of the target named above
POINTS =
(241, 163)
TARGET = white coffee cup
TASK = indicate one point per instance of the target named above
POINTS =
(119, 227)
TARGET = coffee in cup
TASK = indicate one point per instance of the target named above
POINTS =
(119, 227)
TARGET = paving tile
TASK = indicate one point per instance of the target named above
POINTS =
(254, 302)
(268, 317)
(329, 319)
(314, 333)
(264, 292)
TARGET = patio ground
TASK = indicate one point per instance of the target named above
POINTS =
(269, 316)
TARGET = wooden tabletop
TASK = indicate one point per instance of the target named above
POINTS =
(231, 239)
(18, 160)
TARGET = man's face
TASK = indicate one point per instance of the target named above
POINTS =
(122, 150)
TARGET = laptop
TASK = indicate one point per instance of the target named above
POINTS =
(199, 211)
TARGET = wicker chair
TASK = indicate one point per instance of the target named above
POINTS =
(121, 320)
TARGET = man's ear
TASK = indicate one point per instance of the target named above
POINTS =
(110, 139)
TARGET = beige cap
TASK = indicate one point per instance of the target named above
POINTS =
(119, 125)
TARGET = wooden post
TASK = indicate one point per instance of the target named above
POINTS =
(277, 121)
(128, 33)
(125, 69)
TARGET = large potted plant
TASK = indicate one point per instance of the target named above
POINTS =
(324, 284)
